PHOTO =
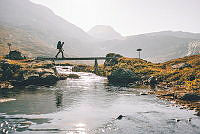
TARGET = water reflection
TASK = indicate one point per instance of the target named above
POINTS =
(59, 98)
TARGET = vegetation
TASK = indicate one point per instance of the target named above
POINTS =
(177, 80)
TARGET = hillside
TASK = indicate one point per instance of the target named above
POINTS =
(156, 47)
(21, 40)
(42, 23)
(194, 48)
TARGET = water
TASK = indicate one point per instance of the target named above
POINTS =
(90, 106)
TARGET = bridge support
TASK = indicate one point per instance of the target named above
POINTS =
(95, 66)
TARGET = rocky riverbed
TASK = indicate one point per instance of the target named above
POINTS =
(20, 73)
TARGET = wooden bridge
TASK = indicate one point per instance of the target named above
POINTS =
(79, 58)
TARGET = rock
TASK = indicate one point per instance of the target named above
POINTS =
(26, 123)
(111, 62)
(123, 76)
(177, 120)
(62, 76)
(198, 113)
(190, 97)
(14, 55)
(152, 80)
(74, 76)
(79, 68)
(5, 85)
(8, 70)
(49, 79)
(143, 93)
(42, 71)
(191, 78)
(6, 100)
(7, 74)
(120, 117)
(1, 70)
(35, 79)
(181, 66)
(65, 76)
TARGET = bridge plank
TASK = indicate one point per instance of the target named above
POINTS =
(78, 58)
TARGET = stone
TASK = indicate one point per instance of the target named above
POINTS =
(62, 76)
(152, 80)
(111, 62)
(181, 66)
(198, 113)
(74, 76)
(79, 68)
(123, 76)
(14, 55)
(49, 79)
(5, 85)
(190, 97)
(7, 74)
(143, 93)
(35, 79)
(120, 117)
(6, 100)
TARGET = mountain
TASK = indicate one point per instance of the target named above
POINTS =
(40, 22)
(35, 30)
(103, 32)
(178, 34)
(156, 47)
(23, 41)
(194, 48)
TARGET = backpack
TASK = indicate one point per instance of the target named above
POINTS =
(59, 45)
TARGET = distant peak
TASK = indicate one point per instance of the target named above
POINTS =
(104, 32)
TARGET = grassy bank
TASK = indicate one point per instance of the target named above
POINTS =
(177, 80)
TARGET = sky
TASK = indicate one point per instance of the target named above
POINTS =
(129, 17)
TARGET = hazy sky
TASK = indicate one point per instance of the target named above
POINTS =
(130, 17)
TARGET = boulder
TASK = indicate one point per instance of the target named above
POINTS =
(36, 79)
(7, 74)
(152, 80)
(48, 79)
(111, 62)
(181, 66)
(5, 85)
(80, 68)
(14, 55)
(198, 113)
(190, 97)
(7, 70)
(123, 76)
(74, 76)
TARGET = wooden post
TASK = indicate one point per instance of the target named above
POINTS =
(96, 67)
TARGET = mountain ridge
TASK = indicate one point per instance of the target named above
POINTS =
(104, 32)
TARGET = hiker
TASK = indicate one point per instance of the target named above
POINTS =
(60, 47)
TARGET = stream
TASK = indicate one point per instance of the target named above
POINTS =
(89, 105)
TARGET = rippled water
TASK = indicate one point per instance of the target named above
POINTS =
(90, 106)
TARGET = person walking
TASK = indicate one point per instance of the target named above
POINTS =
(60, 48)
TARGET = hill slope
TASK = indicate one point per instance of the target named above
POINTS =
(23, 41)
(160, 46)
(41, 22)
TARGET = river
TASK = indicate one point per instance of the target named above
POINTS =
(89, 105)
